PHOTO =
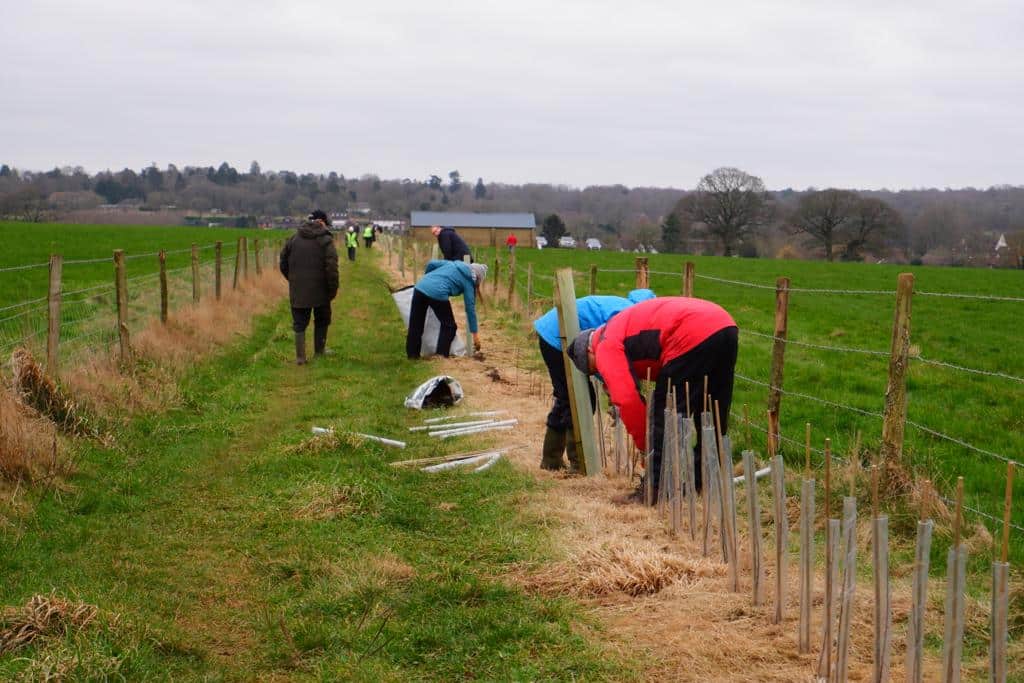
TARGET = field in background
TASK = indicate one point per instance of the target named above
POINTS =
(982, 410)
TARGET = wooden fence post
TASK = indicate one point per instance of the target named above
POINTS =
(470, 351)
(593, 279)
(121, 289)
(511, 285)
(245, 258)
(778, 360)
(163, 287)
(895, 410)
(497, 273)
(401, 257)
(238, 263)
(257, 246)
(642, 274)
(579, 395)
(529, 289)
(688, 275)
(195, 273)
(217, 267)
(53, 300)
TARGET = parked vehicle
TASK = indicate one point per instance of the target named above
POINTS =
(593, 244)
(567, 242)
(542, 241)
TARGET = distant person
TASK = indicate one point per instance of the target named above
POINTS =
(368, 235)
(511, 241)
(442, 280)
(677, 340)
(453, 247)
(309, 262)
(351, 242)
(592, 311)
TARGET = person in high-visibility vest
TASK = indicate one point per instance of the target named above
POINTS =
(368, 235)
(352, 242)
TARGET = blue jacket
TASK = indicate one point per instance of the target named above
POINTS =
(593, 311)
(444, 279)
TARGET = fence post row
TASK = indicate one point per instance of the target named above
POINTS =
(895, 411)
(53, 301)
(121, 288)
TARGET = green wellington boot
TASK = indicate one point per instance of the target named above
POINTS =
(554, 444)
(571, 453)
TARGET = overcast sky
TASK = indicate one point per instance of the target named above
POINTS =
(851, 94)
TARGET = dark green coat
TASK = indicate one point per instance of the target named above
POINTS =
(309, 262)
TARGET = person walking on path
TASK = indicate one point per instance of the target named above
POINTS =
(511, 241)
(309, 262)
(442, 280)
(593, 311)
(351, 242)
(451, 244)
(368, 235)
(675, 339)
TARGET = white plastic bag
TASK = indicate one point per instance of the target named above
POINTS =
(431, 328)
(436, 391)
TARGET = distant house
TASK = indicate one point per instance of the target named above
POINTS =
(482, 229)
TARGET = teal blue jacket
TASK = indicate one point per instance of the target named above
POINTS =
(445, 279)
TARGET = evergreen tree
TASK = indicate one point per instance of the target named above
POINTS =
(553, 227)
(480, 190)
(671, 233)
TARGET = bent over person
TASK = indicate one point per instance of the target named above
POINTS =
(309, 262)
(677, 340)
(451, 244)
(442, 280)
(592, 311)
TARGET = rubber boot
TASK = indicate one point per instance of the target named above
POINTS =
(554, 445)
(570, 452)
(300, 348)
(319, 341)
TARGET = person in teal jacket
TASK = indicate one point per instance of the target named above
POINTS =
(442, 280)
(593, 311)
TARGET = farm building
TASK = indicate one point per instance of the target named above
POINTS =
(482, 229)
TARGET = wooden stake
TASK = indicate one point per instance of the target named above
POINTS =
(806, 562)
(593, 279)
(238, 263)
(53, 304)
(1007, 502)
(642, 278)
(781, 535)
(849, 584)
(706, 407)
(754, 529)
(121, 289)
(163, 287)
(778, 359)
(258, 247)
(688, 275)
(195, 273)
(569, 327)
(529, 289)
(217, 263)
(895, 411)
(689, 413)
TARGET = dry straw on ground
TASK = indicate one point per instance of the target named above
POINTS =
(43, 616)
(26, 442)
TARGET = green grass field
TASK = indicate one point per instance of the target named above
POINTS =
(985, 411)
(216, 552)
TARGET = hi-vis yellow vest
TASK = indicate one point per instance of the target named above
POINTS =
(368, 232)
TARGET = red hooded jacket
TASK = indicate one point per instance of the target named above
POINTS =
(646, 337)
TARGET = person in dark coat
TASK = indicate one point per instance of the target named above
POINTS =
(309, 262)
(453, 247)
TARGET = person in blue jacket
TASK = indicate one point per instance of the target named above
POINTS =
(442, 280)
(593, 311)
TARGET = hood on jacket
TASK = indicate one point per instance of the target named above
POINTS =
(638, 295)
(312, 231)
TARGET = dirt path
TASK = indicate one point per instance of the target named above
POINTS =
(651, 590)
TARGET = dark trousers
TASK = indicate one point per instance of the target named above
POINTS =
(351, 253)
(560, 415)
(321, 317)
(418, 317)
(714, 357)
(368, 241)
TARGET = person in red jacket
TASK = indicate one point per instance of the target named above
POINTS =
(677, 340)
(511, 241)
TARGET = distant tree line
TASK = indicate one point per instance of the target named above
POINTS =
(728, 212)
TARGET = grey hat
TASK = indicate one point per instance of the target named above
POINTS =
(578, 351)
(479, 271)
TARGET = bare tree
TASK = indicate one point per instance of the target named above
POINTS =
(823, 216)
(730, 203)
(871, 221)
